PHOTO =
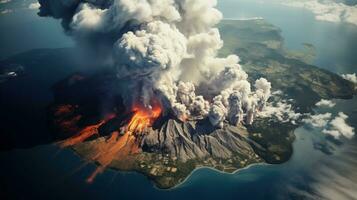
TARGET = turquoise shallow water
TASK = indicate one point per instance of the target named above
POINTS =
(47, 172)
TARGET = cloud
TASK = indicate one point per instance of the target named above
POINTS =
(327, 10)
(5, 1)
(336, 127)
(325, 103)
(350, 77)
(169, 49)
(319, 120)
(6, 11)
(281, 111)
(34, 6)
(339, 127)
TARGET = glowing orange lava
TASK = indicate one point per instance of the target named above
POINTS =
(119, 147)
(142, 119)
(82, 135)
(85, 133)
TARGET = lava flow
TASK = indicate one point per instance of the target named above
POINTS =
(85, 133)
(121, 144)
(142, 119)
(120, 148)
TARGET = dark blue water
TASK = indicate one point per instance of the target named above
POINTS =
(23, 30)
(47, 172)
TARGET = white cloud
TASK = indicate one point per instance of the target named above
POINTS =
(5, 1)
(325, 103)
(281, 110)
(327, 10)
(336, 127)
(350, 77)
(319, 120)
(34, 6)
(6, 11)
(339, 127)
(277, 93)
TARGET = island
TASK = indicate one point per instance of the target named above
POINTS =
(171, 149)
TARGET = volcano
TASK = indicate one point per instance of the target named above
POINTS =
(147, 140)
(170, 100)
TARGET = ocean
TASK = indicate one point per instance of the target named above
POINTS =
(46, 171)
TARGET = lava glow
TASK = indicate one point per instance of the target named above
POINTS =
(85, 133)
(142, 119)
(117, 146)
(82, 135)
(120, 148)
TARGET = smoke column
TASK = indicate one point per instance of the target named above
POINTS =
(169, 49)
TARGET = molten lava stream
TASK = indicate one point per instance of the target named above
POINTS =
(82, 135)
(143, 119)
(125, 145)
(85, 133)
(109, 152)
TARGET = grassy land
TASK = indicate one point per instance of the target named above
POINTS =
(261, 49)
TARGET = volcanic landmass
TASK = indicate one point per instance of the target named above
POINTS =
(167, 149)
(162, 147)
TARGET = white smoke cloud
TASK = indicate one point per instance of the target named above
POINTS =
(325, 103)
(88, 18)
(278, 108)
(169, 48)
(218, 112)
(156, 44)
(281, 111)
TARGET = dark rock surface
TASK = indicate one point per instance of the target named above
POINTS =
(194, 140)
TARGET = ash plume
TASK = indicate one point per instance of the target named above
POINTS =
(169, 49)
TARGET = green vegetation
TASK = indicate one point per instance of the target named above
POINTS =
(274, 140)
(260, 47)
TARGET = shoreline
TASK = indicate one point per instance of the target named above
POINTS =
(216, 170)
(116, 170)
(243, 19)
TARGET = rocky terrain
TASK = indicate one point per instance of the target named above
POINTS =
(195, 140)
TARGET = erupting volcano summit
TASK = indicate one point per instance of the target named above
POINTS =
(168, 49)
(181, 106)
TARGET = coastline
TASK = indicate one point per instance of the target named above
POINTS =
(216, 170)
(152, 181)
(243, 19)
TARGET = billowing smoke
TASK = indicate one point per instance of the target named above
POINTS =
(169, 48)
